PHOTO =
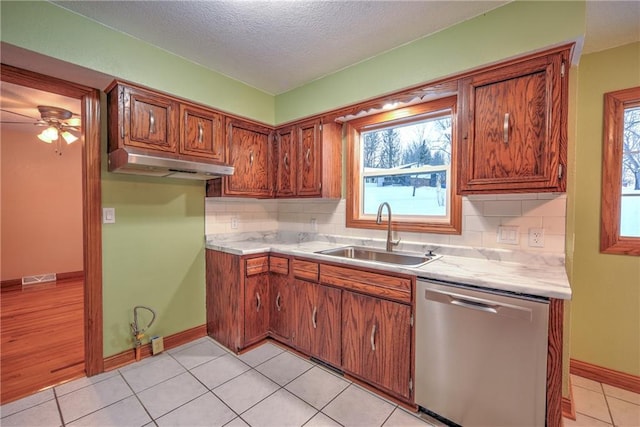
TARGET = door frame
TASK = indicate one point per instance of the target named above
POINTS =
(91, 201)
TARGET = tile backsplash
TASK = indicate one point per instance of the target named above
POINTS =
(482, 215)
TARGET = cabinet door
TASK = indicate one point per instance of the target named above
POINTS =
(151, 120)
(281, 305)
(302, 327)
(309, 160)
(327, 327)
(256, 310)
(248, 150)
(286, 163)
(358, 323)
(392, 342)
(201, 133)
(376, 341)
(513, 136)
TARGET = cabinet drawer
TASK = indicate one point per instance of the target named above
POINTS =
(257, 265)
(278, 265)
(377, 284)
(305, 270)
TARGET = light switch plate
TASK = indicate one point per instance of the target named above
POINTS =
(508, 234)
(108, 215)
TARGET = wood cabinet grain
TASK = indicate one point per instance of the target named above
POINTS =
(202, 133)
(316, 327)
(248, 150)
(256, 308)
(513, 123)
(309, 160)
(224, 296)
(376, 342)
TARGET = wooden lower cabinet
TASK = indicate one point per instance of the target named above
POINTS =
(376, 342)
(281, 306)
(256, 308)
(316, 328)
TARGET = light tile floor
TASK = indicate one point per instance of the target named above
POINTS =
(201, 383)
(603, 405)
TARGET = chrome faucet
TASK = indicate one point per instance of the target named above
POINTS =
(390, 243)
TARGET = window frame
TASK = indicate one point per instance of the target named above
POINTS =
(611, 242)
(354, 219)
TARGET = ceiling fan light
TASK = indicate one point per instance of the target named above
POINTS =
(69, 137)
(74, 121)
(49, 135)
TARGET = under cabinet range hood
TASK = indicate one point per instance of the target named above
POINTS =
(137, 162)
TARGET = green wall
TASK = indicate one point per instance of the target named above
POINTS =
(605, 309)
(153, 255)
(48, 29)
(508, 31)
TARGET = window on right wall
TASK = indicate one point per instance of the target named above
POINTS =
(620, 208)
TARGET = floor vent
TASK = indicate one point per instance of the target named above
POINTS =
(40, 278)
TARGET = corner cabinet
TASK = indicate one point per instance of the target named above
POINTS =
(513, 122)
(248, 150)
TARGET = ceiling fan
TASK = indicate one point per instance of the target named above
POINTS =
(58, 123)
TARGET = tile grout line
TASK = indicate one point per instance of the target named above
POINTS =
(55, 396)
(137, 397)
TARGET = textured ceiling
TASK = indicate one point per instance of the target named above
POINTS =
(276, 46)
(611, 23)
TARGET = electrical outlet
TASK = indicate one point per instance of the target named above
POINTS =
(508, 234)
(234, 222)
(314, 224)
(536, 237)
(157, 345)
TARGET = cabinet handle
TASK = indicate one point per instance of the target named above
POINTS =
(505, 128)
(200, 133)
(278, 306)
(152, 122)
(285, 160)
(258, 302)
(314, 315)
(306, 157)
(373, 338)
(251, 158)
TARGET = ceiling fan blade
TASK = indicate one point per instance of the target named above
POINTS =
(18, 114)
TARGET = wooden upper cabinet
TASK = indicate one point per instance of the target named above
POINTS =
(285, 153)
(202, 133)
(148, 120)
(163, 124)
(248, 150)
(513, 122)
(309, 160)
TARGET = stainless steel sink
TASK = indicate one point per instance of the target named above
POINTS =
(378, 255)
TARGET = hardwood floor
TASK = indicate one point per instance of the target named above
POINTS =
(42, 337)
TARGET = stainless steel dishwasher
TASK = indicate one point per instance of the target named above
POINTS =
(481, 357)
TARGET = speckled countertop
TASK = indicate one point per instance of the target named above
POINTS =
(525, 273)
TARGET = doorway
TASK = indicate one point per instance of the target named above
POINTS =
(89, 101)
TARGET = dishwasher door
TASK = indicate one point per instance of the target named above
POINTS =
(481, 358)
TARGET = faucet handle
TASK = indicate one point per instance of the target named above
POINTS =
(396, 242)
